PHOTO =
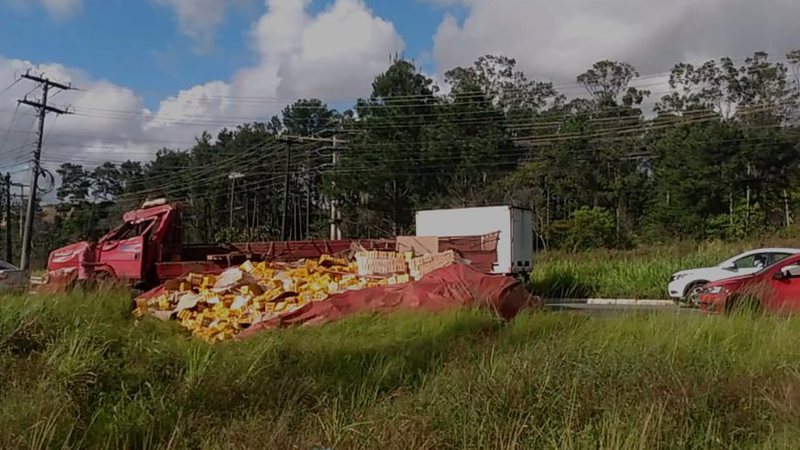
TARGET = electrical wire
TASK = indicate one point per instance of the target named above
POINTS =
(430, 169)
(13, 83)
(286, 100)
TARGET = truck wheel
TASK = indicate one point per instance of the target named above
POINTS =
(693, 291)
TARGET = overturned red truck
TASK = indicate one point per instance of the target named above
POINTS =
(148, 248)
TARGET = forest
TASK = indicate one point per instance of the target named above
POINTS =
(603, 163)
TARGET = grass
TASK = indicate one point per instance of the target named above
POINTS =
(77, 372)
(641, 273)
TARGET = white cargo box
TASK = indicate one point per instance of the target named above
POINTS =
(515, 244)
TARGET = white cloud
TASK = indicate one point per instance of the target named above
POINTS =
(199, 19)
(333, 55)
(60, 9)
(296, 57)
(85, 134)
(338, 53)
(558, 40)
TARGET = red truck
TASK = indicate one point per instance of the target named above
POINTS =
(148, 249)
(775, 288)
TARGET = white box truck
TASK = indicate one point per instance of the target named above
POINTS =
(514, 246)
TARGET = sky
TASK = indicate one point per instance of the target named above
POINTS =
(157, 73)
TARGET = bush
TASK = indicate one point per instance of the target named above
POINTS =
(589, 228)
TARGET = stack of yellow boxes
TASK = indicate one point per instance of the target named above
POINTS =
(423, 265)
(381, 263)
(216, 308)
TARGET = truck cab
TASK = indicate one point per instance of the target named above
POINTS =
(129, 252)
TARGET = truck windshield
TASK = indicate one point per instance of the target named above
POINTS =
(130, 229)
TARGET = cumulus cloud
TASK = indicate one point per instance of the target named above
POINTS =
(92, 131)
(199, 19)
(558, 40)
(296, 58)
(333, 55)
(60, 9)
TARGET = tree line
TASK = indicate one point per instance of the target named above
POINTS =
(715, 157)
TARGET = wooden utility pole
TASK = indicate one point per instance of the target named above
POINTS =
(42, 108)
(336, 214)
(233, 177)
(9, 240)
(309, 187)
(289, 141)
(336, 232)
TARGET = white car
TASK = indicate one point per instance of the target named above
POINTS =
(12, 279)
(687, 285)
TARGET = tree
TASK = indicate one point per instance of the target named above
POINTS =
(75, 184)
(608, 83)
(108, 182)
(382, 170)
(308, 117)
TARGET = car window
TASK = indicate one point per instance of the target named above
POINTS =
(778, 257)
(757, 261)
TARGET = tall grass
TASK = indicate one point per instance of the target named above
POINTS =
(77, 372)
(641, 273)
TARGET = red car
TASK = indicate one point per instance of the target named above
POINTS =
(776, 288)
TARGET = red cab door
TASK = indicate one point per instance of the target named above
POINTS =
(124, 257)
(125, 251)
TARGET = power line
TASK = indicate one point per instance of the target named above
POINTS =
(601, 134)
(13, 83)
(287, 100)
(10, 125)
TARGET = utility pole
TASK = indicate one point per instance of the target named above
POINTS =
(9, 240)
(233, 177)
(43, 109)
(336, 214)
(21, 215)
(309, 186)
(336, 233)
(284, 230)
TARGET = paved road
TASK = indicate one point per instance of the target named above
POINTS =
(618, 309)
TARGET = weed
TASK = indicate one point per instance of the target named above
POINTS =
(78, 372)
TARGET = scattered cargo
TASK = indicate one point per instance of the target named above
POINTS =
(217, 291)
(216, 308)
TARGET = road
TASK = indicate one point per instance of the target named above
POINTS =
(618, 309)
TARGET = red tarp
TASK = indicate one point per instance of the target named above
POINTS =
(447, 288)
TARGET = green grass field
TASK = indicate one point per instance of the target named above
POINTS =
(641, 273)
(77, 372)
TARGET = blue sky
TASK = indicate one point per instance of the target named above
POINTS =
(145, 85)
(138, 44)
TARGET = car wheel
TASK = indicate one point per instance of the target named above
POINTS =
(693, 292)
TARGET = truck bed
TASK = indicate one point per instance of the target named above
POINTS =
(211, 258)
